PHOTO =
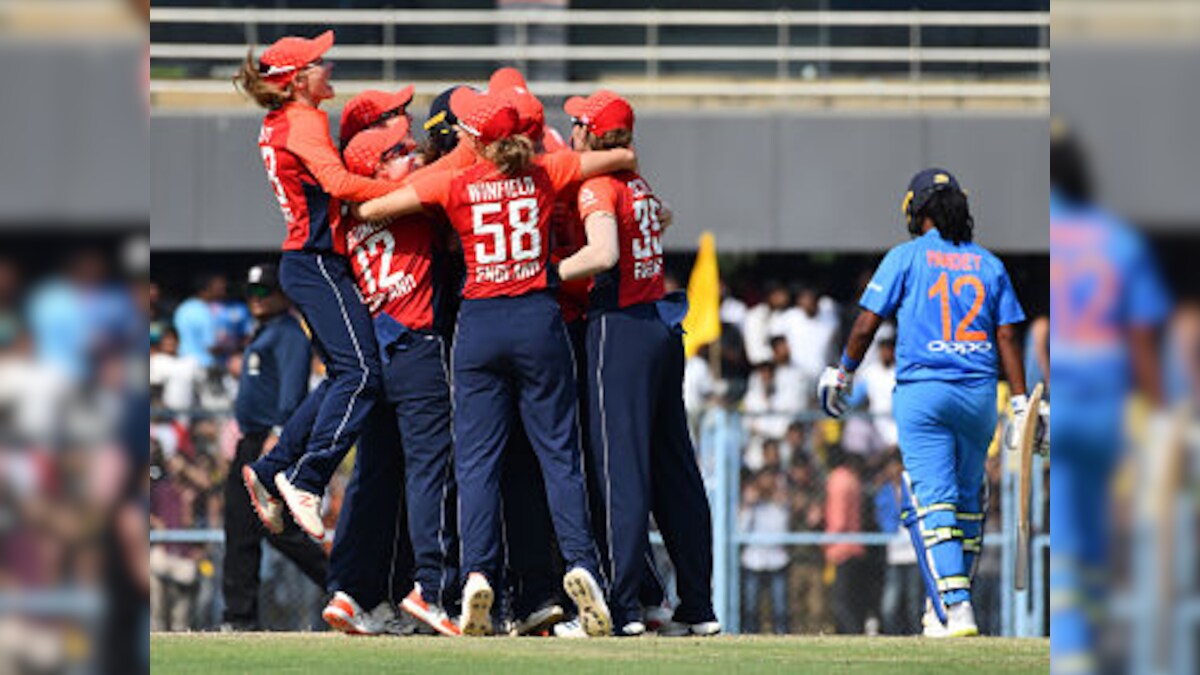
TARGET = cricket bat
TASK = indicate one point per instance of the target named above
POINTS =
(1025, 487)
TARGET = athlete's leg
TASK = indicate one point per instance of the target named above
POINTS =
(975, 426)
(623, 369)
(371, 531)
(423, 413)
(483, 401)
(293, 438)
(680, 503)
(928, 447)
(528, 532)
(323, 288)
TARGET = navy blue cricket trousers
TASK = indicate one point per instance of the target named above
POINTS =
(643, 460)
(404, 469)
(322, 287)
(514, 352)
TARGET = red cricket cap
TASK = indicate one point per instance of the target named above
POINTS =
(601, 112)
(509, 82)
(366, 150)
(292, 53)
(369, 107)
(488, 117)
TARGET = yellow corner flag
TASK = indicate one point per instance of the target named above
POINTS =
(703, 321)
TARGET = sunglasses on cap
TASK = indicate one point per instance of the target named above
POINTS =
(259, 292)
(399, 150)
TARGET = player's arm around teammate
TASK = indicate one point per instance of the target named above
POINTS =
(291, 80)
(642, 452)
(955, 310)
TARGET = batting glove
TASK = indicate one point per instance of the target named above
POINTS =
(833, 388)
(1018, 413)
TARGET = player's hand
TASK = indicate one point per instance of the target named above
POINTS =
(1018, 413)
(833, 388)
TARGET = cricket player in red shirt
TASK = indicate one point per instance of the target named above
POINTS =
(641, 449)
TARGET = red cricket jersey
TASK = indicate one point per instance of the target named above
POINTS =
(308, 177)
(638, 274)
(394, 266)
(502, 221)
(569, 237)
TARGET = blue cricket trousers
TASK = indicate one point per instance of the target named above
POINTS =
(514, 353)
(1088, 438)
(405, 445)
(322, 287)
(945, 429)
(643, 460)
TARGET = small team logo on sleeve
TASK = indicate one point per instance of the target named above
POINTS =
(875, 286)
(587, 197)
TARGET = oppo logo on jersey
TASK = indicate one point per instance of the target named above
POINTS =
(517, 271)
(962, 348)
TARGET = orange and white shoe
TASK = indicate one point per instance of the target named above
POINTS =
(430, 613)
(344, 615)
(268, 508)
(477, 606)
(583, 590)
(305, 507)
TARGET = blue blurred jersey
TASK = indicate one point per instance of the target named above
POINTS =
(1103, 280)
(947, 300)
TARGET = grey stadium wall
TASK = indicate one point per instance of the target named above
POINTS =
(830, 181)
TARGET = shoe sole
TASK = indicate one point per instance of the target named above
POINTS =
(554, 615)
(419, 613)
(593, 610)
(285, 490)
(964, 633)
(252, 483)
(477, 612)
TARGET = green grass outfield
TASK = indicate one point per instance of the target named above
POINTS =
(331, 654)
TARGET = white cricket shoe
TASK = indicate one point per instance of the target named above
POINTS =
(633, 629)
(656, 617)
(702, 629)
(570, 629)
(932, 626)
(477, 606)
(539, 621)
(583, 590)
(344, 615)
(305, 507)
(961, 620)
(268, 508)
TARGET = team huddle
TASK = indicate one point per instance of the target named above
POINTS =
(502, 356)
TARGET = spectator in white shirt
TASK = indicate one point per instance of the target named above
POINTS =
(763, 321)
(175, 376)
(811, 327)
(875, 383)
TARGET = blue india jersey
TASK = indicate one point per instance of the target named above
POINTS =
(1103, 280)
(947, 300)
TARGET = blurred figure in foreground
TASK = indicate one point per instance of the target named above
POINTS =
(1107, 303)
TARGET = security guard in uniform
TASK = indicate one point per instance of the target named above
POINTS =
(273, 383)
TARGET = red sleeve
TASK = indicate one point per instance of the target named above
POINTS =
(563, 166)
(433, 188)
(597, 195)
(309, 140)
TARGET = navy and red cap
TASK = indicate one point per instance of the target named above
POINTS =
(923, 186)
(509, 81)
(488, 117)
(602, 112)
(367, 149)
(291, 54)
(371, 107)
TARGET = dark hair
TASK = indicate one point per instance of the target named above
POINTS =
(951, 215)
(616, 138)
(1069, 173)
